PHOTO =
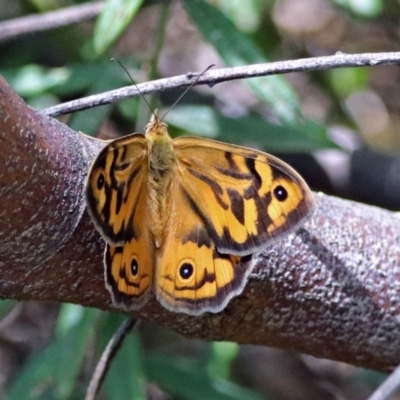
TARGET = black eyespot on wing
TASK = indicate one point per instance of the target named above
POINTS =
(186, 270)
(134, 266)
(280, 193)
(100, 181)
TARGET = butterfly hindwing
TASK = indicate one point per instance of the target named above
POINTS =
(129, 272)
(192, 276)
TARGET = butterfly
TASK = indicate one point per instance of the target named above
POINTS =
(184, 218)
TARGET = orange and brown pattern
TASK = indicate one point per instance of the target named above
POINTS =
(184, 217)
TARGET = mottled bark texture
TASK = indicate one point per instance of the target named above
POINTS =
(331, 290)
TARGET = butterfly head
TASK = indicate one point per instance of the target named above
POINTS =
(157, 130)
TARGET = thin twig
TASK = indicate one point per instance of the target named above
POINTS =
(390, 385)
(15, 28)
(108, 355)
(339, 60)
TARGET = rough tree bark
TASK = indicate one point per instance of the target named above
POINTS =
(331, 290)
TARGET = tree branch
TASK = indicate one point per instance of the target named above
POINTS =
(212, 77)
(331, 290)
(18, 27)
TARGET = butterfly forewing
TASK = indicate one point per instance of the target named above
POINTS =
(114, 182)
(245, 198)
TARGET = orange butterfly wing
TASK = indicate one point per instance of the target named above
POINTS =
(192, 233)
(117, 199)
(227, 203)
(192, 276)
(245, 198)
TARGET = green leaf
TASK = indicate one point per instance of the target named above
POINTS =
(35, 378)
(89, 121)
(224, 353)
(236, 49)
(246, 15)
(71, 348)
(112, 22)
(40, 85)
(205, 121)
(70, 315)
(52, 373)
(345, 81)
(6, 306)
(189, 380)
(34, 80)
(363, 8)
(44, 5)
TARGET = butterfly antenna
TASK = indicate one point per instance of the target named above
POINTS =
(137, 87)
(187, 89)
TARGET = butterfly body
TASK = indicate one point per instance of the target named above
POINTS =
(161, 160)
(184, 217)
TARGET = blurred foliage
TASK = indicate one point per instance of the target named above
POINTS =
(363, 8)
(112, 22)
(283, 114)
